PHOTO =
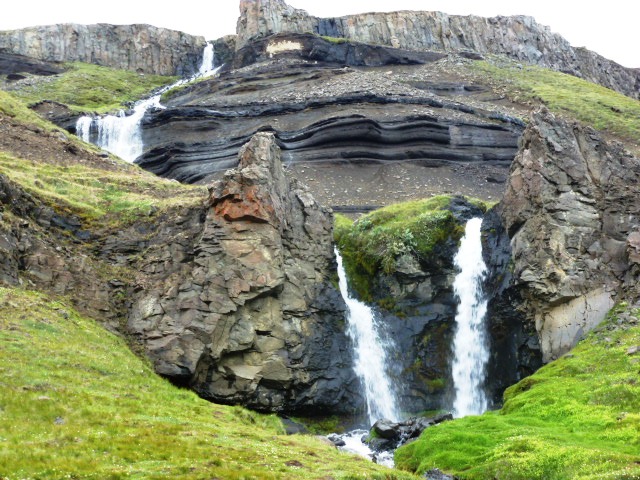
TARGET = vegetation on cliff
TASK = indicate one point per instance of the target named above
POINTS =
(577, 417)
(373, 244)
(84, 87)
(76, 403)
(591, 104)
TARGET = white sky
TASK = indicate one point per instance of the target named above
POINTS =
(610, 28)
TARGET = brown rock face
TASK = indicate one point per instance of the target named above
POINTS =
(573, 215)
(249, 314)
(141, 48)
(519, 37)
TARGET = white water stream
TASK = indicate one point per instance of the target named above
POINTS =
(121, 134)
(470, 344)
(370, 355)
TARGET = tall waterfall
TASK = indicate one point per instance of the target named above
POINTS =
(370, 355)
(470, 345)
(121, 134)
(207, 60)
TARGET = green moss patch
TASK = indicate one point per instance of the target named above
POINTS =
(576, 418)
(76, 403)
(374, 243)
(86, 87)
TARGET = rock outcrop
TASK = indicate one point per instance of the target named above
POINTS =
(346, 121)
(519, 37)
(572, 214)
(248, 313)
(142, 48)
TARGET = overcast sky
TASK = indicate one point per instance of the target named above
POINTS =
(609, 28)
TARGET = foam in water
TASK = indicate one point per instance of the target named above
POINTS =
(470, 346)
(121, 134)
(370, 355)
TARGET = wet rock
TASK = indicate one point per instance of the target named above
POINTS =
(386, 435)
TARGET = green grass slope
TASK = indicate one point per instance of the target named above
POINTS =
(576, 418)
(76, 403)
(591, 104)
(86, 87)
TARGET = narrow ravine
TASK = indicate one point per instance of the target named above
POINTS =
(470, 344)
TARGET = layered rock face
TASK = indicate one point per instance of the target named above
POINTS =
(572, 215)
(518, 37)
(332, 122)
(248, 314)
(142, 48)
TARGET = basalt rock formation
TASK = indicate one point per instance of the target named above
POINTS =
(572, 214)
(247, 313)
(519, 37)
(142, 48)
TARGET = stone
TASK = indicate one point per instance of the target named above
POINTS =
(141, 48)
(519, 37)
(253, 318)
(571, 220)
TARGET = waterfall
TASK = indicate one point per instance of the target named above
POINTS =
(121, 134)
(470, 346)
(207, 60)
(370, 355)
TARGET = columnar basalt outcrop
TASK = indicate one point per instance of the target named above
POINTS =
(519, 37)
(249, 315)
(572, 214)
(142, 48)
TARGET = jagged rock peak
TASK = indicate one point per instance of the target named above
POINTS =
(519, 37)
(142, 48)
(573, 222)
(252, 317)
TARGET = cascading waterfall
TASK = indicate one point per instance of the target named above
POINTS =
(370, 355)
(207, 60)
(121, 134)
(470, 346)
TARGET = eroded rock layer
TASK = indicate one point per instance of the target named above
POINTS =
(519, 37)
(324, 114)
(247, 314)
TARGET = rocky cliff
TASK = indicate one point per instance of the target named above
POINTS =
(244, 311)
(572, 215)
(518, 37)
(142, 48)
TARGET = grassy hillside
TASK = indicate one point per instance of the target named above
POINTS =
(587, 102)
(76, 403)
(576, 418)
(86, 87)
